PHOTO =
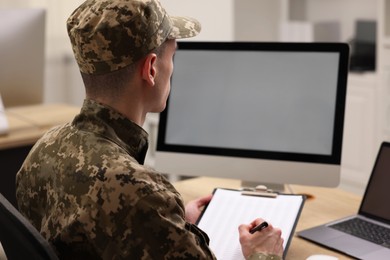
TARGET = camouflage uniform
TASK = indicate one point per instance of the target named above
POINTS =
(83, 186)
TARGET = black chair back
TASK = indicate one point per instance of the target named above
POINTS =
(19, 238)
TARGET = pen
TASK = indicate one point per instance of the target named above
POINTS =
(259, 227)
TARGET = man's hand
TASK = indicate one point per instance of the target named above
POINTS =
(194, 208)
(267, 241)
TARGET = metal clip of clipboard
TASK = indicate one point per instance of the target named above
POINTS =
(260, 191)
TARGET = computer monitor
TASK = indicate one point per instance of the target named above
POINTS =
(259, 112)
(22, 38)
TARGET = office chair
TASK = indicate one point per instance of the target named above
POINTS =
(19, 238)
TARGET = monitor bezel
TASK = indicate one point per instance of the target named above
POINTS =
(334, 158)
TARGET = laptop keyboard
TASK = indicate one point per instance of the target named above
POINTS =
(365, 230)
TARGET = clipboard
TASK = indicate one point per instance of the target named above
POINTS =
(229, 208)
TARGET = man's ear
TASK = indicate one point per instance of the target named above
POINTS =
(149, 68)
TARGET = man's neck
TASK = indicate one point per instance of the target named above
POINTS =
(129, 109)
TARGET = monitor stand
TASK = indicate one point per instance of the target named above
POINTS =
(271, 186)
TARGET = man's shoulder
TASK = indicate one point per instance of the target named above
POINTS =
(69, 136)
(129, 177)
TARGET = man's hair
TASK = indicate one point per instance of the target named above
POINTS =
(108, 84)
(113, 83)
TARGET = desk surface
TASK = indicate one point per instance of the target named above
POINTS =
(326, 205)
(28, 123)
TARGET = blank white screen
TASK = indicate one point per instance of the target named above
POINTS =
(254, 100)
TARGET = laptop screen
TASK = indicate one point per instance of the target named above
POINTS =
(375, 202)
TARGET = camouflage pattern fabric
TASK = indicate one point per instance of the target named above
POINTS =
(83, 186)
(110, 35)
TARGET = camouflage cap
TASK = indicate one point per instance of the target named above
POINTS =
(109, 35)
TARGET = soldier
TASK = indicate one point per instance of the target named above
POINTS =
(84, 185)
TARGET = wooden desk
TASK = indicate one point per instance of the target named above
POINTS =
(327, 204)
(26, 125)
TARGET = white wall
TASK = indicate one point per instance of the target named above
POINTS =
(257, 20)
(216, 16)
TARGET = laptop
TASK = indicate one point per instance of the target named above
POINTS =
(349, 235)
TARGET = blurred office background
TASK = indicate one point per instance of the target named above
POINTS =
(368, 103)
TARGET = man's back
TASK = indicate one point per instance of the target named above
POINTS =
(84, 190)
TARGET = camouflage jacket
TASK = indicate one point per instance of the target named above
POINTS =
(85, 188)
